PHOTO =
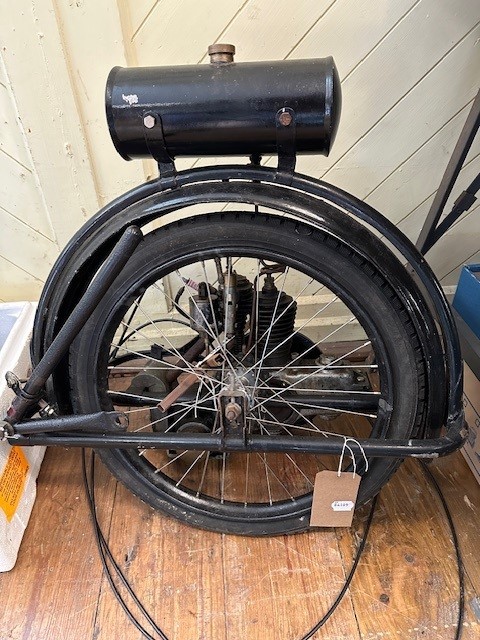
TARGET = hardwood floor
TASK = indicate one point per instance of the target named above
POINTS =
(200, 585)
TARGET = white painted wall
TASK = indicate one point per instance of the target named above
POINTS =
(410, 70)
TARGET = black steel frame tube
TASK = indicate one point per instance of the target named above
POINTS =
(341, 400)
(102, 421)
(29, 394)
(430, 233)
(429, 448)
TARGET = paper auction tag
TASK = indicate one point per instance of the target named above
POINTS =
(334, 498)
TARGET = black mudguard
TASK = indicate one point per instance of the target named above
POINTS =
(332, 210)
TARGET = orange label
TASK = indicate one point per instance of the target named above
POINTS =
(12, 481)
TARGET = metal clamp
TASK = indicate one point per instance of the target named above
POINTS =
(155, 141)
(286, 147)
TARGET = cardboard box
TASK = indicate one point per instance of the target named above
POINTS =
(19, 466)
(471, 401)
(467, 297)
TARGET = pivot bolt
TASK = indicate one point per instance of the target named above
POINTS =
(6, 430)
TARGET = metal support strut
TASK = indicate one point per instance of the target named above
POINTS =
(430, 232)
(26, 401)
(239, 442)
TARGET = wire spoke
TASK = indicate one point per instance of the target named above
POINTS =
(282, 390)
(139, 354)
(276, 477)
(199, 457)
(322, 408)
(250, 478)
(198, 371)
(263, 457)
(167, 464)
(321, 391)
(164, 336)
(332, 333)
(286, 426)
(309, 375)
(222, 479)
(287, 455)
(183, 413)
(296, 332)
(204, 471)
(207, 460)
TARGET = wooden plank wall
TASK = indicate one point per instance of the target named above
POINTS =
(410, 70)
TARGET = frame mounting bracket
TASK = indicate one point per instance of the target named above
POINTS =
(286, 147)
(155, 141)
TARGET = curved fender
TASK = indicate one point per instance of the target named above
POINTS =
(317, 203)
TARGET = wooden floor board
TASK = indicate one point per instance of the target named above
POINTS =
(175, 570)
(407, 585)
(282, 586)
(205, 586)
(455, 479)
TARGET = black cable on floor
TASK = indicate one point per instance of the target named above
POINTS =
(349, 578)
(458, 553)
(106, 554)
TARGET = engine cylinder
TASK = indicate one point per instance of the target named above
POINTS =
(244, 309)
(276, 321)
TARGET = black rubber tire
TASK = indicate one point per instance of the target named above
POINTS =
(373, 299)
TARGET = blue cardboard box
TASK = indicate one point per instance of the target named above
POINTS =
(467, 297)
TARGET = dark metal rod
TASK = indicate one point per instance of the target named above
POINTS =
(103, 280)
(102, 421)
(462, 204)
(450, 176)
(343, 401)
(431, 448)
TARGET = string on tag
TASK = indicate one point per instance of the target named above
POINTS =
(347, 439)
(345, 446)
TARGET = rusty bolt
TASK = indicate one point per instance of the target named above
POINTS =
(285, 118)
(149, 122)
(221, 52)
(232, 411)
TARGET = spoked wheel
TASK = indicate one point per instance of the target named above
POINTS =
(249, 322)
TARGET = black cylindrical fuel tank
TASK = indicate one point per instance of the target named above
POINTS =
(223, 109)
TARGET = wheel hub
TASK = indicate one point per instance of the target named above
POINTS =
(233, 403)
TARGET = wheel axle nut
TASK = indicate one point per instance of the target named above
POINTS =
(233, 411)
